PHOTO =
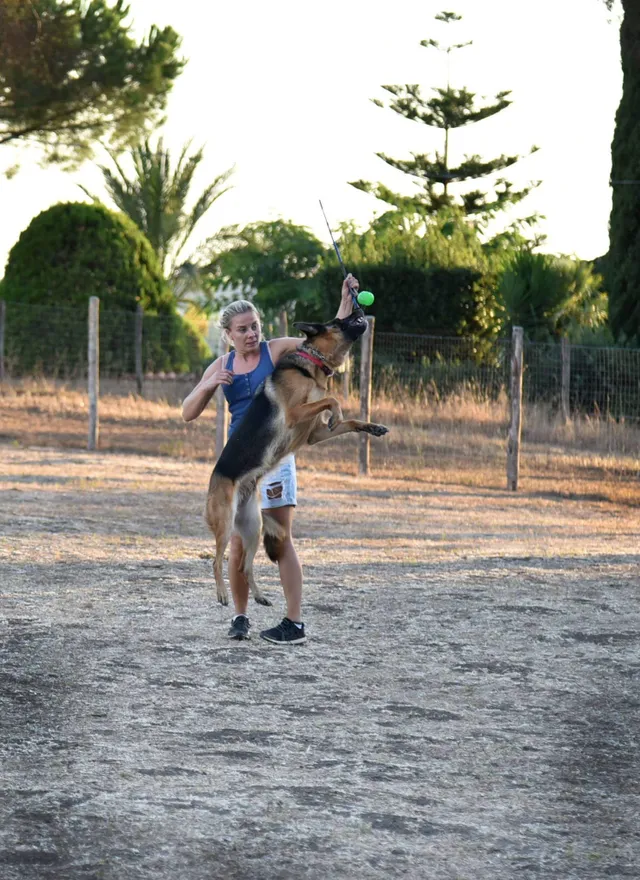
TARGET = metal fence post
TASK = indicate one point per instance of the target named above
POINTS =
(566, 378)
(3, 316)
(515, 428)
(94, 371)
(366, 367)
(138, 346)
(221, 405)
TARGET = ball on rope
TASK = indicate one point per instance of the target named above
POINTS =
(365, 298)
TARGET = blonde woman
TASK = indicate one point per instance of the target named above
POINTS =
(240, 373)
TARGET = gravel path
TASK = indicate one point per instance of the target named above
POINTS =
(466, 707)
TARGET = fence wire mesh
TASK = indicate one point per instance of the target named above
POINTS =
(446, 399)
(51, 342)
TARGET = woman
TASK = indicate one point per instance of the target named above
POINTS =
(240, 374)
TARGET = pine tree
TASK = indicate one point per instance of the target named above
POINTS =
(449, 109)
(73, 75)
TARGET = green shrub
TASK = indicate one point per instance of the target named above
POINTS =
(438, 302)
(69, 253)
(73, 251)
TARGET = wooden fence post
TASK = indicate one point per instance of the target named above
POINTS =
(3, 317)
(515, 428)
(366, 367)
(222, 418)
(283, 323)
(94, 371)
(346, 378)
(566, 378)
(138, 346)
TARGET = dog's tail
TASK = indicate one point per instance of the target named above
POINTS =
(274, 537)
(219, 515)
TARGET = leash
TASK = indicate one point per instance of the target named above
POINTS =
(354, 296)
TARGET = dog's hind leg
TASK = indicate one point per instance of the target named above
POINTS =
(247, 525)
(219, 517)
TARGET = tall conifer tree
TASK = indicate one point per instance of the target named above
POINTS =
(622, 264)
(448, 110)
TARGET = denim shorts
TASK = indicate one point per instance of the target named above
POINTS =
(278, 488)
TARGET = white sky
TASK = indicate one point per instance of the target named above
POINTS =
(282, 89)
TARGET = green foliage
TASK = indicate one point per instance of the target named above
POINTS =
(155, 197)
(276, 259)
(439, 302)
(73, 251)
(71, 75)
(551, 296)
(623, 260)
(52, 341)
(444, 240)
(447, 110)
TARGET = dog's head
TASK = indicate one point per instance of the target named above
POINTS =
(333, 340)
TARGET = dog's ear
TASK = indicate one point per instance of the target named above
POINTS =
(309, 329)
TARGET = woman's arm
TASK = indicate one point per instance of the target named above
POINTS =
(346, 300)
(285, 344)
(216, 374)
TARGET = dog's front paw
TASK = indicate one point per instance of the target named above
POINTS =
(376, 430)
(262, 600)
(223, 598)
(334, 421)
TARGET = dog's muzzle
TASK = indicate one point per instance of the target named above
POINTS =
(355, 325)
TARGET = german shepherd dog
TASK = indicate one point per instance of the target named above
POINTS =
(286, 413)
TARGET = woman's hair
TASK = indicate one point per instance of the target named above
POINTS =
(239, 307)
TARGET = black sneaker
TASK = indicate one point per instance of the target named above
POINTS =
(239, 628)
(285, 633)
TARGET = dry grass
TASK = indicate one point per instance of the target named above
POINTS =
(461, 439)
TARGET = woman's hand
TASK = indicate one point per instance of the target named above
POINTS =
(221, 376)
(349, 284)
(195, 402)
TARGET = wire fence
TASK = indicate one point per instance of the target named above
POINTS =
(447, 398)
(51, 342)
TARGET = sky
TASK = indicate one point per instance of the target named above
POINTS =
(281, 91)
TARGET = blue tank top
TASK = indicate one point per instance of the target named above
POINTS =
(243, 388)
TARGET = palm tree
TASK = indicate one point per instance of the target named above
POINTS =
(155, 198)
(551, 296)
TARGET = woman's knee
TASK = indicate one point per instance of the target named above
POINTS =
(283, 516)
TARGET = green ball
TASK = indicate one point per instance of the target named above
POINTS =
(365, 298)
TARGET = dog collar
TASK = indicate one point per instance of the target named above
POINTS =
(316, 360)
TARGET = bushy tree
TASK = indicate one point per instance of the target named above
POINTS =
(72, 75)
(276, 258)
(73, 251)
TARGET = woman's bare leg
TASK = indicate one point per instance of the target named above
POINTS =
(289, 564)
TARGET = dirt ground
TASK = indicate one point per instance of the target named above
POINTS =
(466, 706)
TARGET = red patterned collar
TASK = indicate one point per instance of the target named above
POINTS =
(316, 360)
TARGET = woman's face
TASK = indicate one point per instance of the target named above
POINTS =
(245, 332)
